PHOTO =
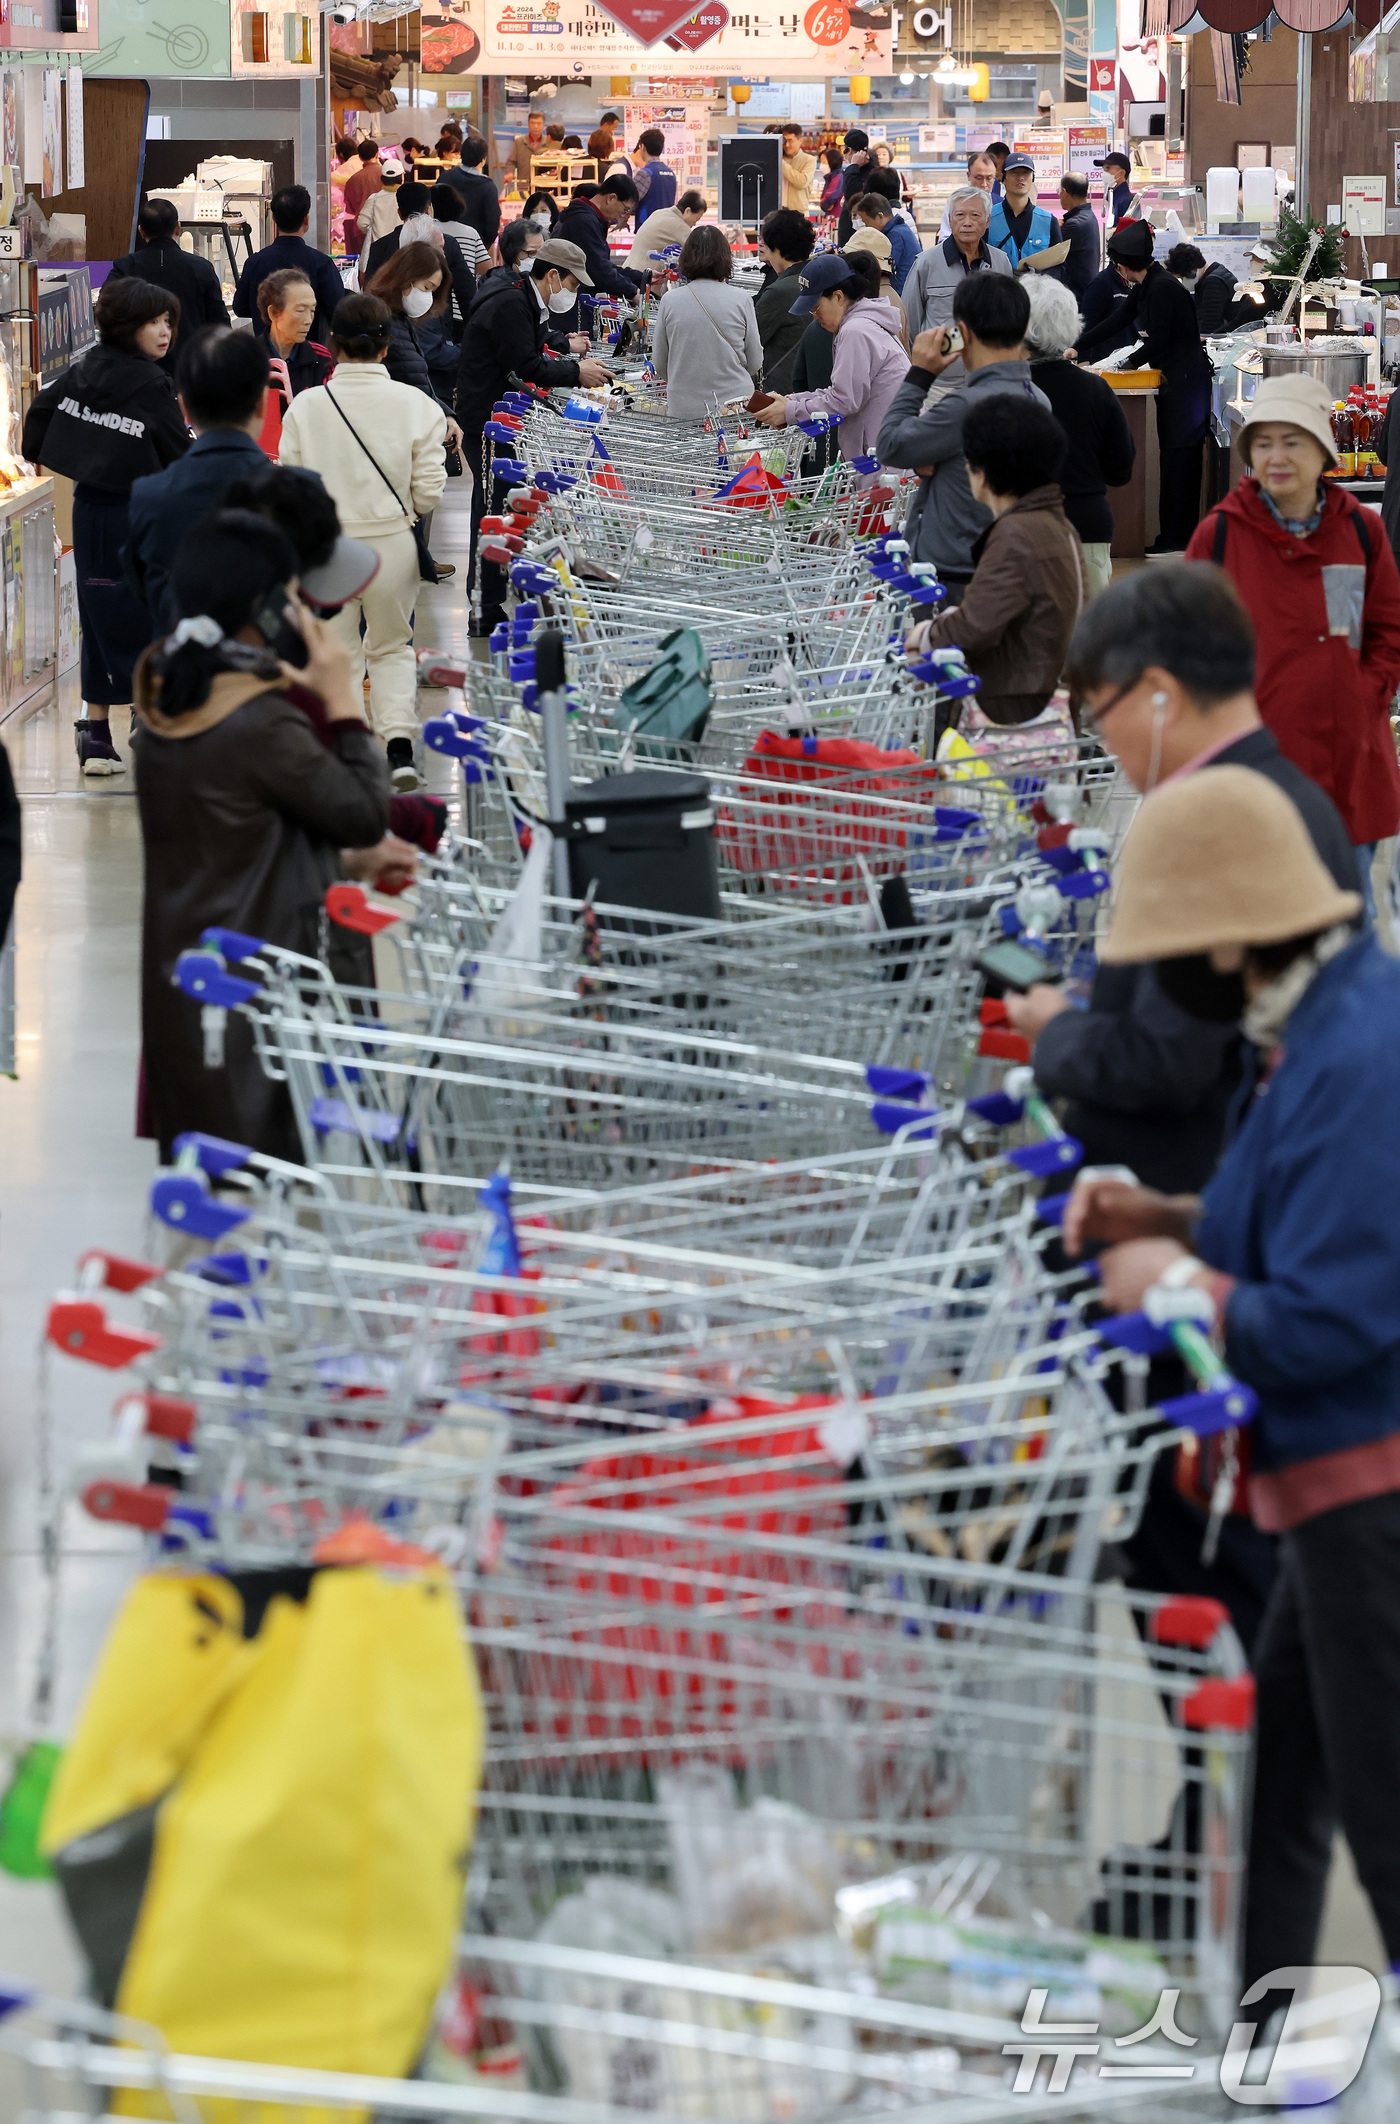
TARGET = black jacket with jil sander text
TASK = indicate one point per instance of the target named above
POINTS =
(108, 420)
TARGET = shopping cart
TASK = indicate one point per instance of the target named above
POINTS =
(670, 2038)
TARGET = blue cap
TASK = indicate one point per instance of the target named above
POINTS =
(817, 278)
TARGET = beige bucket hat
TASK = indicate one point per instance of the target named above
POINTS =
(1301, 401)
(874, 241)
(1219, 857)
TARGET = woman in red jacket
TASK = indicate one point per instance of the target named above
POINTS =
(1317, 574)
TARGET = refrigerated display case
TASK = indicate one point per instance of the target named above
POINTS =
(45, 322)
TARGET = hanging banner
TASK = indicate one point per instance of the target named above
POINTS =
(574, 36)
(77, 160)
(685, 128)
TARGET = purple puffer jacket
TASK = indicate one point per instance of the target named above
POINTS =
(868, 365)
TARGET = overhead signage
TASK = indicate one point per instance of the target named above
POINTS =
(580, 37)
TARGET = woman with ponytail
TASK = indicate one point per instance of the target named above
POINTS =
(246, 813)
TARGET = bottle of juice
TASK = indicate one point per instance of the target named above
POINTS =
(1344, 433)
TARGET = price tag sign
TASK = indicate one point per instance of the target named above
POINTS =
(1363, 206)
(11, 244)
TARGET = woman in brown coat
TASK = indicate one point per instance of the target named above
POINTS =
(1027, 589)
(255, 769)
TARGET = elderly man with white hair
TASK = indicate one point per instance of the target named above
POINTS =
(936, 274)
(1101, 450)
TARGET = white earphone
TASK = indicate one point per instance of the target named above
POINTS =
(1159, 700)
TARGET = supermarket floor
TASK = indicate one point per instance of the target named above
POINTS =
(73, 1176)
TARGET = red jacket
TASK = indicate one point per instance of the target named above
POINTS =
(1326, 610)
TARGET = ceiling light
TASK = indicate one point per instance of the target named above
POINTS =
(906, 80)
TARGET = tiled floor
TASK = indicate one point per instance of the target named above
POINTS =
(73, 1176)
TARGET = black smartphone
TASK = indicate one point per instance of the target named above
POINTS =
(276, 623)
(1015, 966)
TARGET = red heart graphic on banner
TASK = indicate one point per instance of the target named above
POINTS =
(707, 23)
(647, 20)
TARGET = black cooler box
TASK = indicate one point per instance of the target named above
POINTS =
(645, 840)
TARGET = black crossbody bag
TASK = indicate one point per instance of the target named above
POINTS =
(427, 566)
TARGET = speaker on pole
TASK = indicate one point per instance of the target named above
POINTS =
(750, 177)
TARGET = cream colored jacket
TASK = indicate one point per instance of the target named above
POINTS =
(799, 169)
(403, 427)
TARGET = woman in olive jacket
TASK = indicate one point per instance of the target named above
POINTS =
(259, 785)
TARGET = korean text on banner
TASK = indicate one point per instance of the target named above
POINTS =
(575, 36)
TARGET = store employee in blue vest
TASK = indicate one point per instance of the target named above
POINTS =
(1020, 227)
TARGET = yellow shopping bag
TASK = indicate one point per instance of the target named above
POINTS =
(306, 1874)
(171, 1658)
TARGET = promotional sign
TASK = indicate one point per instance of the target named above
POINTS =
(685, 128)
(1046, 149)
(1363, 206)
(1084, 146)
(578, 37)
(938, 140)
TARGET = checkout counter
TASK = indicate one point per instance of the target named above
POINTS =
(1135, 507)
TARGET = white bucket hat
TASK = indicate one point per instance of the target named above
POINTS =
(1301, 401)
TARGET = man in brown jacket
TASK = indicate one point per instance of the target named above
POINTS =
(1027, 589)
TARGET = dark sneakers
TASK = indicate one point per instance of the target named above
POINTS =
(490, 619)
(97, 755)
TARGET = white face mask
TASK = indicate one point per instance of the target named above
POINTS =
(562, 301)
(541, 219)
(417, 302)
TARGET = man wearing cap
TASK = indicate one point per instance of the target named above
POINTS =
(1163, 315)
(940, 271)
(1291, 1261)
(1019, 227)
(505, 337)
(380, 211)
(1317, 575)
(1121, 202)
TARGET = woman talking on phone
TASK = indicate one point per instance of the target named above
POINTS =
(255, 772)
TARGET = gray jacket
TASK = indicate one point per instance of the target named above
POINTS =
(933, 281)
(945, 521)
(705, 346)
